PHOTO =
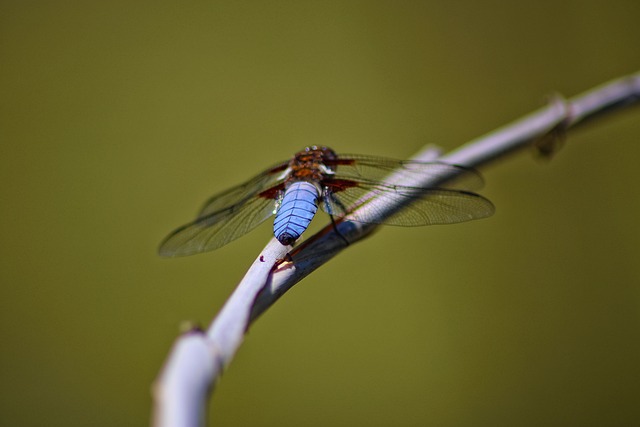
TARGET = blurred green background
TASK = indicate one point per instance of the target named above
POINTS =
(118, 119)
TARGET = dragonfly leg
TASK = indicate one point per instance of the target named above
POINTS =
(335, 228)
(329, 210)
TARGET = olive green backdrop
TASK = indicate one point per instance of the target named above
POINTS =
(118, 119)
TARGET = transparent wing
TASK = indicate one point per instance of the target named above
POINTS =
(381, 204)
(240, 194)
(363, 168)
(216, 229)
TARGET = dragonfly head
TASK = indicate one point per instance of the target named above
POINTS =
(325, 153)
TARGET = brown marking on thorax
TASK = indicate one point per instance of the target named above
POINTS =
(307, 164)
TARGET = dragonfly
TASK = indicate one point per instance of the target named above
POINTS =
(315, 177)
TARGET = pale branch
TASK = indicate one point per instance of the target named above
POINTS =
(198, 358)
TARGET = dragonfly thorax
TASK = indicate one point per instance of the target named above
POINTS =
(311, 164)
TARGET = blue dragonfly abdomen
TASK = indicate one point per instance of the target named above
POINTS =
(298, 206)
